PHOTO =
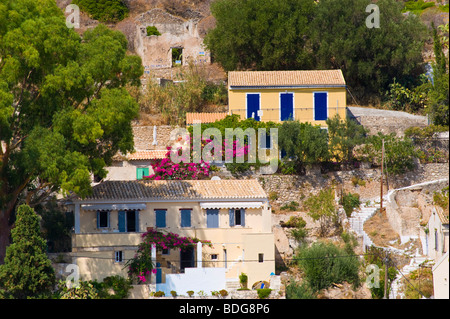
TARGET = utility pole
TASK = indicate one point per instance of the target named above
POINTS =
(381, 179)
(385, 274)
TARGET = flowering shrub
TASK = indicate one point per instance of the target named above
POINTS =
(141, 265)
(165, 169)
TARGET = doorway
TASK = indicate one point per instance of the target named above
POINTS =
(177, 56)
(187, 259)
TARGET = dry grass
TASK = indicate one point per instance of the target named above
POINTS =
(380, 231)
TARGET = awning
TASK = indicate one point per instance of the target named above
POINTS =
(114, 207)
(237, 205)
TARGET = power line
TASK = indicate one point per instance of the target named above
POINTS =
(407, 280)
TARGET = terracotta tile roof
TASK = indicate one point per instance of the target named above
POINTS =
(286, 78)
(147, 155)
(205, 117)
(177, 190)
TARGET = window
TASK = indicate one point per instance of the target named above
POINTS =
(160, 218)
(129, 221)
(165, 251)
(237, 217)
(260, 258)
(141, 172)
(212, 218)
(118, 256)
(102, 219)
(214, 256)
(436, 240)
(185, 217)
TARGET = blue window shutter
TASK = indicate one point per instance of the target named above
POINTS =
(160, 218)
(146, 171)
(108, 218)
(122, 221)
(231, 217)
(98, 219)
(185, 218)
(136, 212)
(242, 217)
(212, 218)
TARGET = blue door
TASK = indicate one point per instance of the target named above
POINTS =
(320, 106)
(253, 105)
(286, 106)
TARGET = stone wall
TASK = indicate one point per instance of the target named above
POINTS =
(156, 51)
(385, 121)
(365, 182)
(409, 208)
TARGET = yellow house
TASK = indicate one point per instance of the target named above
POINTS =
(234, 215)
(308, 96)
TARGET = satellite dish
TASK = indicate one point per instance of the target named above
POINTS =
(215, 178)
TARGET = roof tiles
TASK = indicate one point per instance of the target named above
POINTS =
(177, 190)
(286, 78)
(205, 117)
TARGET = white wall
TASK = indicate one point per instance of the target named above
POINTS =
(195, 279)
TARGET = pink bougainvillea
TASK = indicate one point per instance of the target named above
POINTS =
(141, 265)
(165, 169)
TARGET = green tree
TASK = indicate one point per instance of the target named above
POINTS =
(399, 152)
(369, 57)
(303, 142)
(27, 271)
(104, 10)
(322, 208)
(325, 264)
(439, 93)
(344, 136)
(261, 34)
(64, 109)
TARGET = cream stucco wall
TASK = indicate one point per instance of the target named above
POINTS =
(303, 103)
(237, 248)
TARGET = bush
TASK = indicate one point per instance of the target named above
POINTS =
(243, 279)
(223, 293)
(263, 293)
(294, 222)
(159, 294)
(121, 287)
(299, 291)
(173, 293)
(86, 290)
(349, 202)
(325, 264)
(104, 10)
(152, 30)
(292, 206)
(190, 293)
(273, 195)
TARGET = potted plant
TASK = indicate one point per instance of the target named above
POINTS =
(243, 279)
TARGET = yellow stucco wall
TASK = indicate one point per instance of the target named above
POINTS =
(94, 248)
(303, 103)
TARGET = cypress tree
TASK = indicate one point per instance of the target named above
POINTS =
(27, 271)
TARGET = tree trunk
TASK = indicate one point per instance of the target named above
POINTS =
(5, 231)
